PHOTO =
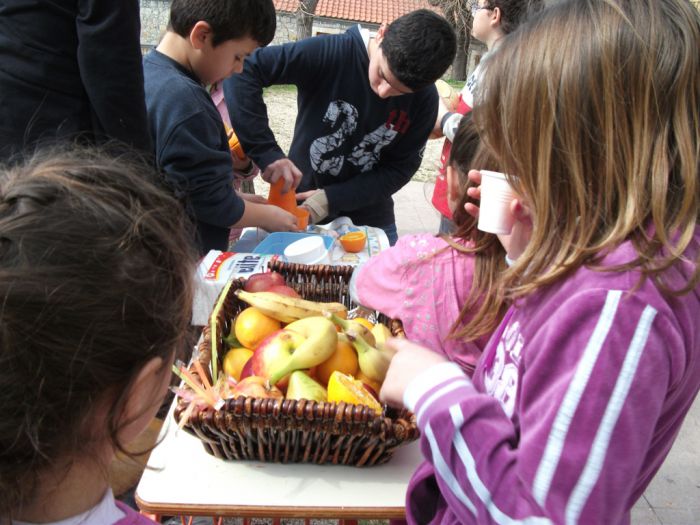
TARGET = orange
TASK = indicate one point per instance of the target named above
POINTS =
(342, 387)
(344, 359)
(252, 326)
(234, 361)
(353, 242)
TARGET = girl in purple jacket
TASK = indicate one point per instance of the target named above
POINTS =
(582, 389)
(95, 287)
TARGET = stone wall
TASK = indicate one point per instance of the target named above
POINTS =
(154, 20)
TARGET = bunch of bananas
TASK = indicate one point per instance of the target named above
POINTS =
(289, 309)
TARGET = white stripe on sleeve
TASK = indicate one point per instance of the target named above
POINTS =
(599, 448)
(562, 421)
(477, 484)
(429, 378)
(444, 472)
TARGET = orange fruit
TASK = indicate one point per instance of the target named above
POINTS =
(344, 360)
(364, 322)
(342, 387)
(252, 326)
(234, 361)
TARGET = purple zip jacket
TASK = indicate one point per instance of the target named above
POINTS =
(574, 405)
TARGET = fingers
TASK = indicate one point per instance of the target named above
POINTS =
(474, 176)
(472, 209)
(305, 195)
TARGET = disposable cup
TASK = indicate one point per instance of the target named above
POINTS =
(494, 208)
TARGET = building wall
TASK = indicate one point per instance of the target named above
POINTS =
(154, 20)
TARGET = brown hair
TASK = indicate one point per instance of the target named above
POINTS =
(601, 129)
(95, 280)
(489, 256)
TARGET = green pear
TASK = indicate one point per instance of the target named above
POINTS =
(302, 386)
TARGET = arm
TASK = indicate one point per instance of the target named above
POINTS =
(380, 283)
(293, 63)
(588, 404)
(197, 162)
(109, 58)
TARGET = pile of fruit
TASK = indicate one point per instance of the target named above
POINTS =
(282, 346)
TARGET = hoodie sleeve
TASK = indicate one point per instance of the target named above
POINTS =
(591, 385)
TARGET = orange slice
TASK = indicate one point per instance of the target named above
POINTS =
(342, 387)
(353, 242)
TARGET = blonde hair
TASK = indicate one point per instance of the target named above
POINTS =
(594, 105)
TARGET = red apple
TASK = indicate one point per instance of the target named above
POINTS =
(283, 289)
(262, 282)
(256, 386)
(273, 350)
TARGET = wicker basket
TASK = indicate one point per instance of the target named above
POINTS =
(290, 431)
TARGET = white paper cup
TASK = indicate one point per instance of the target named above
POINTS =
(494, 208)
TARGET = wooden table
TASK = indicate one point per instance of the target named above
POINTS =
(182, 479)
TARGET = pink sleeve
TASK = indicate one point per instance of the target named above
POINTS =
(380, 281)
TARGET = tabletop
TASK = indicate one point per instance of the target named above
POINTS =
(182, 479)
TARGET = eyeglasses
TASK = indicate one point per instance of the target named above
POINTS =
(476, 8)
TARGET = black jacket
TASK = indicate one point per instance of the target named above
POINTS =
(69, 69)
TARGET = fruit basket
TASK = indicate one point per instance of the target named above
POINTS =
(289, 430)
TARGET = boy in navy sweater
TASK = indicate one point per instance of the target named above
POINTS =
(206, 41)
(366, 108)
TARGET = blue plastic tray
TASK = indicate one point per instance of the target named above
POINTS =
(276, 242)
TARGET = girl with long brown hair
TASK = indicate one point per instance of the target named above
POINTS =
(437, 284)
(594, 107)
(96, 294)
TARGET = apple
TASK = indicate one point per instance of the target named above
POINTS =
(262, 282)
(256, 386)
(301, 386)
(301, 345)
(283, 289)
(272, 351)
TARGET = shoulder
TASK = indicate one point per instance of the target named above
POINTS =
(412, 250)
(168, 89)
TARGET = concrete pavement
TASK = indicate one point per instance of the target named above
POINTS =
(673, 497)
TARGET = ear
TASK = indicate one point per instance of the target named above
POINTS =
(496, 17)
(144, 397)
(453, 186)
(200, 33)
(380, 33)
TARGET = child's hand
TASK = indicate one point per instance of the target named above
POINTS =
(279, 220)
(409, 361)
(252, 197)
(515, 242)
(285, 169)
(474, 192)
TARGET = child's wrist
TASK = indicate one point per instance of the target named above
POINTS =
(432, 376)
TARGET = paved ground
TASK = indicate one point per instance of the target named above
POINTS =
(673, 498)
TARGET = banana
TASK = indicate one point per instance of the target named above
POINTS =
(381, 333)
(374, 362)
(288, 309)
(345, 325)
(321, 340)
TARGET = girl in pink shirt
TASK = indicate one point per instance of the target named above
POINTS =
(436, 284)
(95, 287)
